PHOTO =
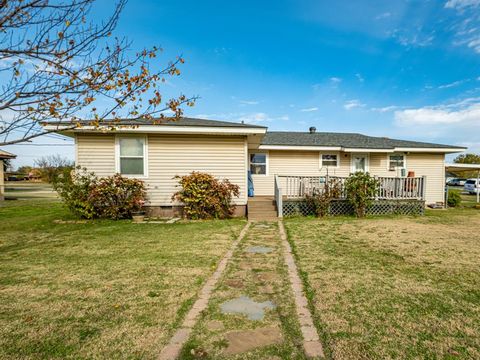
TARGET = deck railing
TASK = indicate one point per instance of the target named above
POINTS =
(390, 188)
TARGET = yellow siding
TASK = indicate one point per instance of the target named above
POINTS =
(221, 156)
(96, 153)
(307, 163)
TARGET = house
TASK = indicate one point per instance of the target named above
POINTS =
(156, 153)
(3, 156)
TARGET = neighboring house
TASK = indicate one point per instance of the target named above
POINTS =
(156, 153)
(3, 155)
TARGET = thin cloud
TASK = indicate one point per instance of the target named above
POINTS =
(335, 80)
(461, 4)
(453, 84)
(352, 104)
(383, 16)
(249, 102)
(385, 108)
(309, 109)
(359, 77)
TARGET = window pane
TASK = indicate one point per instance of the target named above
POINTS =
(258, 158)
(131, 147)
(329, 160)
(131, 166)
(257, 169)
(396, 161)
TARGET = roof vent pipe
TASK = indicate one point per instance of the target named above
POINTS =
(312, 129)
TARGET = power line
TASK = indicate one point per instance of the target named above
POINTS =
(43, 144)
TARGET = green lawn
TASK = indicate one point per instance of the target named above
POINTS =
(399, 287)
(101, 289)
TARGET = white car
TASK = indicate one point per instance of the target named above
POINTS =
(472, 186)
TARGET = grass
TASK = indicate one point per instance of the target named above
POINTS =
(262, 277)
(102, 289)
(393, 287)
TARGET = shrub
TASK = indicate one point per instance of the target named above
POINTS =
(361, 189)
(205, 197)
(73, 187)
(454, 198)
(321, 198)
(112, 197)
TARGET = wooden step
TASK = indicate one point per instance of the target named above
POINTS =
(262, 213)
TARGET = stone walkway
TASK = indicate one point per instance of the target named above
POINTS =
(253, 308)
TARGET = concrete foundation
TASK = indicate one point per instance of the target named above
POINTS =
(177, 211)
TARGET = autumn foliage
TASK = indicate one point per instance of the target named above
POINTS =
(205, 197)
(111, 197)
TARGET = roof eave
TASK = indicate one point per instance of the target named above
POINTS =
(159, 129)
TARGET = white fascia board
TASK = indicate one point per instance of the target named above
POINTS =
(307, 148)
(430, 150)
(164, 130)
(360, 150)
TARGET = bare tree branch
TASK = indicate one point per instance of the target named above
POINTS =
(57, 66)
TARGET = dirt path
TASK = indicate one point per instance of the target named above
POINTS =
(252, 312)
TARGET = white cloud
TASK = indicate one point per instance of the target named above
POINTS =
(335, 80)
(385, 108)
(309, 109)
(460, 4)
(440, 115)
(359, 77)
(453, 84)
(352, 104)
(383, 16)
(249, 102)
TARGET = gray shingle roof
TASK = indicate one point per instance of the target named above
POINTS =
(346, 140)
(184, 121)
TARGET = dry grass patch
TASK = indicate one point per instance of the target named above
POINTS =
(394, 287)
(104, 289)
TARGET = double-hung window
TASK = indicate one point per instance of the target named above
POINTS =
(258, 164)
(329, 160)
(131, 156)
(396, 161)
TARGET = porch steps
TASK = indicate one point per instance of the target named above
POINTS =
(262, 208)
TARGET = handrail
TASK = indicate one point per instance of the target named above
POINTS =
(390, 188)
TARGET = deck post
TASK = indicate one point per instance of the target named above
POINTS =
(278, 197)
(424, 187)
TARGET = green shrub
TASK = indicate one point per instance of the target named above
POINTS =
(454, 198)
(112, 197)
(361, 189)
(321, 198)
(73, 187)
(205, 197)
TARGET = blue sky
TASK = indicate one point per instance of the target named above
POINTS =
(405, 69)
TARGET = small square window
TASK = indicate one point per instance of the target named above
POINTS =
(396, 161)
(329, 160)
(258, 164)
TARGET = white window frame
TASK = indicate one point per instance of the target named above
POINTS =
(330, 166)
(266, 161)
(367, 161)
(145, 156)
(398, 167)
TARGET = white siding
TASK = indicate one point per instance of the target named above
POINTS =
(168, 156)
(308, 163)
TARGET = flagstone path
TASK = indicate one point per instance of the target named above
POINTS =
(252, 308)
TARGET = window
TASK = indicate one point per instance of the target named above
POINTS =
(131, 156)
(396, 161)
(258, 164)
(329, 160)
